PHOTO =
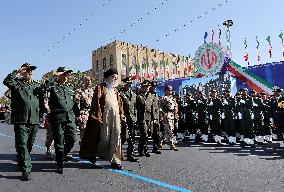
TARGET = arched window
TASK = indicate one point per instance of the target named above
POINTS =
(104, 63)
(111, 60)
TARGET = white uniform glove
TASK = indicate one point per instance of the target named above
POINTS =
(210, 117)
(240, 115)
(211, 103)
(254, 104)
(242, 101)
(225, 102)
(223, 116)
(252, 116)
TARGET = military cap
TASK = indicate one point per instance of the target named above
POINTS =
(61, 70)
(127, 79)
(252, 92)
(245, 89)
(277, 89)
(111, 71)
(29, 66)
(145, 83)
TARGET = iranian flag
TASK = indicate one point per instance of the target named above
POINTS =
(255, 82)
(144, 70)
(162, 75)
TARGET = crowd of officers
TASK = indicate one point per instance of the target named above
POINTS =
(251, 117)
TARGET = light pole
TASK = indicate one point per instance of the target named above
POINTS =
(229, 23)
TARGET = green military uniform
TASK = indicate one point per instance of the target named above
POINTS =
(61, 102)
(258, 121)
(128, 98)
(190, 117)
(155, 120)
(144, 102)
(214, 110)
(238, 118)
(266, 110)
(229, 108)
(202, 116)
(26, 101)
(246, 104)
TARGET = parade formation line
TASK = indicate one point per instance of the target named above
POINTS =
(135, 176)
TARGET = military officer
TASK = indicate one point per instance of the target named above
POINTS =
(258, 120)
(84, 97)
(144, 106)
(214, 109)
(246, 114)
(229, 107)
(26, 102)
(278, 113)
(155, 118)
(238, 117)
(61, 106)
(267, 115)
(128, 98)
(170, 113)
(202, 116)
(190, 116)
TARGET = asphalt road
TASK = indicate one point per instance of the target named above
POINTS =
(193, 168)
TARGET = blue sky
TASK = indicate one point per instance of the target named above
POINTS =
(29, 28)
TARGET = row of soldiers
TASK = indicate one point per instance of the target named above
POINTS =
(252, 117)
(143, 110)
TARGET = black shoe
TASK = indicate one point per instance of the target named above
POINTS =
(93, 160)
(26, 176)
(156, 151)
(131, 159)
(116, 166)
(147, 154)
(59, 170)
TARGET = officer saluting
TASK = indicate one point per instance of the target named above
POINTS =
(26, 99)
(128, 98)
(61, 105)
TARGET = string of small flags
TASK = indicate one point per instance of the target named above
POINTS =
(68, 35)
(148, 13)
(191, 21)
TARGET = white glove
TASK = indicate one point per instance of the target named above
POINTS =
(225, 102)
(254, 104)
(223, 116)
(271, 120)
(210, 117)
(242, 101)
(199, 101)
(240, 115)
(252, 116)
(211, 103)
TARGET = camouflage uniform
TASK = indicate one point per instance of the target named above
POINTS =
(83, 101)
(169, 108)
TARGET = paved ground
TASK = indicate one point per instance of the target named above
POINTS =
(193, 168)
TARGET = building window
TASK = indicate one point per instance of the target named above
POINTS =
(104, 63)
(111, 60)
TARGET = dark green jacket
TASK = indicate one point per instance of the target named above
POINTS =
(26, 99)
(129, 104)
(144, 107)
(155, 107)
(61, 101)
